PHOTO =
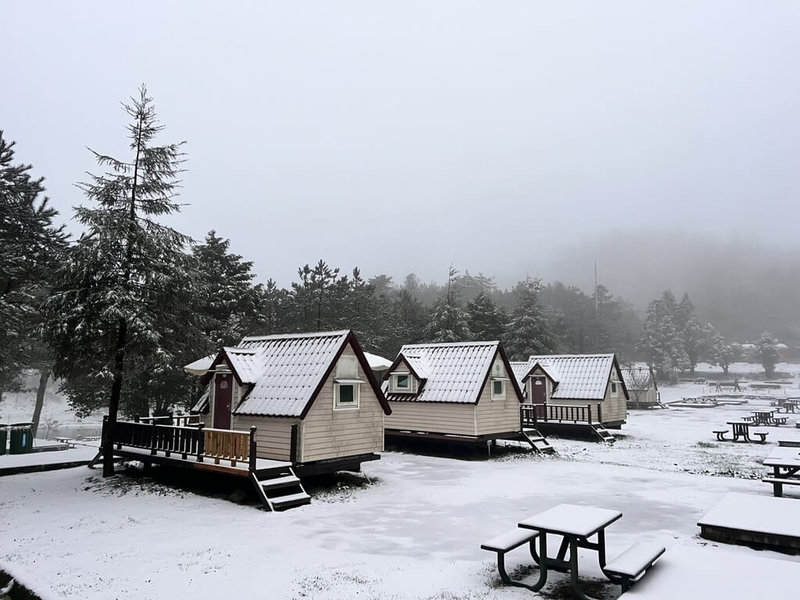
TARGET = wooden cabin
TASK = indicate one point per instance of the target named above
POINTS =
(642, 387)
(575, 388)
(456, 392)
(312, 398)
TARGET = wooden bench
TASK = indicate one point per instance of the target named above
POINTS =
(760, 433)
(721, 434)
(508, 541)
(779, 420)
(778, 483)
(631, 565)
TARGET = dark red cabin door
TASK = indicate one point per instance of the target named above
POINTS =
(222, 401)
(539, 387)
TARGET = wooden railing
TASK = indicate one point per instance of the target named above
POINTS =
(532, 414)
(179, 420)
(198, 442)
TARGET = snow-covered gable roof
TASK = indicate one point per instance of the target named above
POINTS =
(285, 372)
(200, 366)
(520, 370)
(377, 363)
(579, 376)
(449, 372)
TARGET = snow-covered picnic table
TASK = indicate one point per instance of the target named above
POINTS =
(785, 463)
(575, 524)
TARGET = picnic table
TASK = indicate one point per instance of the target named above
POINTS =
(575, 525)
(763, 416)
(785, 463)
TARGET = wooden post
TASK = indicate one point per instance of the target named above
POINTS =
(153, 437)
(294, 444)
(252, 464)
(589, 408)
(201, 447)
(599, 414)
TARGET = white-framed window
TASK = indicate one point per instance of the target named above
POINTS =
(498, 389)
(402, 382)
(346, 395)
(346, 384)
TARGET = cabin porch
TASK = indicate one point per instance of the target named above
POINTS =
(570, 419)
(193, 446)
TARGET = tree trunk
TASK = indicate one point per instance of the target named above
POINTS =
(44, 376)
(113, 404)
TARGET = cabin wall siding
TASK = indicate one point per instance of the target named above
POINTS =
(273, 435)
(327, 433)
(433, 417)
(500, 415)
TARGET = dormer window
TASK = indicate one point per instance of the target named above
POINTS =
(402, 383)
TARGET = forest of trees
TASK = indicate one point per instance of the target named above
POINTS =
(117, 313)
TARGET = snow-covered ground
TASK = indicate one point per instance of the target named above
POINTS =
(412, 531)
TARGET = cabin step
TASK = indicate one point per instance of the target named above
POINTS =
(279, 488)
(537, 441)
(290, 501)
(604, 434)
(280, 482)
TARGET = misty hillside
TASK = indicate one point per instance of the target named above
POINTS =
(742, 287)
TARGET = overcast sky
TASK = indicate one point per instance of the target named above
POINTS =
(405, 136)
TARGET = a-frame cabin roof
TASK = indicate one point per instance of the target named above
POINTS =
(455, 372)
(578, 376)
(284, 373)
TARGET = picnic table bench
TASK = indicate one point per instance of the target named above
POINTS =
(508, 541)
(631, 565)
(66, 440)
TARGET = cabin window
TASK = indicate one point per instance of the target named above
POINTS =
(346, 395)
(614, 387)
(498, 389)
(346, 384)
(402, 382)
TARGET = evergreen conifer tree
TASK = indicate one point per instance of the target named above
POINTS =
(768, 353)
(121, 311)
(486, 321)
(31, 245)
(529, 331)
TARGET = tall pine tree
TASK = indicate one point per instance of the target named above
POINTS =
(121, 309)
(31, 246)
(529, 331)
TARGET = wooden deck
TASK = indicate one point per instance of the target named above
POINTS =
(205, 449)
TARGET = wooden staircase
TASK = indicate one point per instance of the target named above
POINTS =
(537, 441)
(604, 434)
(279, 488)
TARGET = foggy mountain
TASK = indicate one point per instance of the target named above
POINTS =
(741, 286)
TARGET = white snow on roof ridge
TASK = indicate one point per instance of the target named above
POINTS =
(286, 336)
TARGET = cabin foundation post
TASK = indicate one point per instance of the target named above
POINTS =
(252, 456)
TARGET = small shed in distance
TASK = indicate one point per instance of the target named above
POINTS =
(642, 387)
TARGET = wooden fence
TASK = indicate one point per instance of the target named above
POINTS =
(198, 442)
